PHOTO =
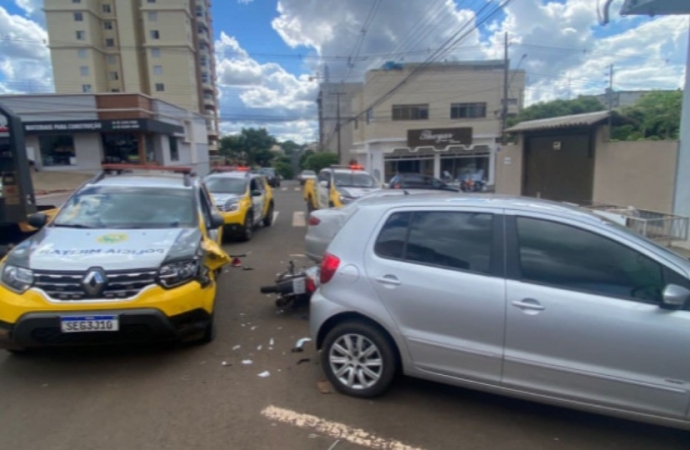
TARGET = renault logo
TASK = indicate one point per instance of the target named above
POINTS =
(94, 282)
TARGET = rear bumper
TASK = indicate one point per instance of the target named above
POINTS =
(136, 326)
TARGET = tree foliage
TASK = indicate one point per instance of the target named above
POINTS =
(303, 158)
(290, 147)
(285, 170)
(558, 108)
(252, 146)
(655, 116)
(319, 161)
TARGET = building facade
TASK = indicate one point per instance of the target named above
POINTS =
(331, 97)
(80, 132)
(160, 48)
(445, 121)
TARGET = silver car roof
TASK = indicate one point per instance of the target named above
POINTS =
(172, 181)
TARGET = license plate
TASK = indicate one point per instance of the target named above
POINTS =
(89, 324)
(299, 285)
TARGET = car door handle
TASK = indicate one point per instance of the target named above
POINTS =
(390, 280)
(528, 304)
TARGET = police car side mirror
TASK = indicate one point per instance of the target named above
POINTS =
(38, 220)
(217, 221)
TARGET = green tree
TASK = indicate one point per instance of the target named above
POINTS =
(319, 161)
(285, 170)
(290, 147)
(558, 108)
(251, 146)
(656, 116)
(303, 158)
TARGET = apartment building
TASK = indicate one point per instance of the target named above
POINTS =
(444, 121)
(335, 103)
(160, 48)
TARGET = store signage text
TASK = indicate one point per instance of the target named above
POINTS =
(439, 138)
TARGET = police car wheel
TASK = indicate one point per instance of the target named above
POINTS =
(268, 219)
(248, 231)
(209, 333)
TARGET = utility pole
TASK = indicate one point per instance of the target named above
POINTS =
(337, 122)
(610, 100)
(504, 109)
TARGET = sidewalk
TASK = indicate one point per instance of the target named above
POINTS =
(46, 183)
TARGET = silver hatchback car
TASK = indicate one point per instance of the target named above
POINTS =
(518, 296)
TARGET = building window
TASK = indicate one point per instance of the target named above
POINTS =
(78, 17)
(356, 124)
(107, 9)
(84, 71)
(110, 42)
(120, 148)
(57, 150)
(158, 70)
(115, 90)
(467, 110)
(204, 77)
(155, 34)
(108, 24)
(86, 88)
(82, 53)
(203, 60)
(112, 59)
(153, 16)
(152, 1)
(410, 112)
(199, 11)
(76, 1)
(81, 35)
(160, 87)
(155, 52)
(174, 150)
(114, 76)
(369, 116)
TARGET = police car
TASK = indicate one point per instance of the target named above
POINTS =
(131, 257)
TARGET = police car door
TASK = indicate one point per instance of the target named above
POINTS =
(207, 209)
(258, 194)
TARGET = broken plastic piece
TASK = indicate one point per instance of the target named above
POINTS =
(225, 363)
(247, 362)
(271, 342)
(265, 374)
(237, 347)
(299, 346)
(303, 360)
(259, 348)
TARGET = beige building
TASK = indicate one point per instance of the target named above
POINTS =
(445, 121)
(160, 48)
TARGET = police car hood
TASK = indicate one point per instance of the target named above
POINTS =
(223, 199)
(65, 249)
(356, 192)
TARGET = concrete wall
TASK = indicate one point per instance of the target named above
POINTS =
(639, 174)
(509, 169)
(89, 151)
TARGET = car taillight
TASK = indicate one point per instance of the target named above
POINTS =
(313, 221)
(397, 186)
(329, 265)
(311, 285)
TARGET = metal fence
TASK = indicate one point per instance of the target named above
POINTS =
(664, 228)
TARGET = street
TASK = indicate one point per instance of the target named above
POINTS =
(213, 397)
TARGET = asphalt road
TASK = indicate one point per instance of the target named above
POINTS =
(184, 397)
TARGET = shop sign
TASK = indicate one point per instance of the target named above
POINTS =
(439, 138)
(82, 126)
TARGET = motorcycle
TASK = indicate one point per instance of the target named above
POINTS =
(294, 286)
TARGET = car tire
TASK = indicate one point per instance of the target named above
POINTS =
(268, 219)
(345, 371)
(248, 230)
(19, 351)
(209, 334)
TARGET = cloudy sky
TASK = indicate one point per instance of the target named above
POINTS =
(273, 53)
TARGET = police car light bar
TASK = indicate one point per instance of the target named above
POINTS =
(146, 167)
(351, 167)
(218, 169)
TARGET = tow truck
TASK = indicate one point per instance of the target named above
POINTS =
(17, 197)
(336, 186)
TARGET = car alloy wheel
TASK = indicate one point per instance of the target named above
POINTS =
(248, 227)
(358, 359)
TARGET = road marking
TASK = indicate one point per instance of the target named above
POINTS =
(284, 189)
(297, 189)
(334, 430)
(298, 219)
(275, 216)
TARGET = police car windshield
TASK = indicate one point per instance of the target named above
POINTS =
(226, 185)
(354, 179)
(107, 207)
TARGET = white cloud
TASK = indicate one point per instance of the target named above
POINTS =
(24, 58)
(244, 2)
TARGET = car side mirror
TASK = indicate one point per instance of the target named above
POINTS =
(38, 220)
(325, 184)
(216, 221)
(675, 297)
(257, 193)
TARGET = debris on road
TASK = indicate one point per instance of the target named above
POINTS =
(237, 347)
(270, 343)
(303, 360)
(225, 364)
(324, 387)
(259, 348)
(254, 328)
(247, 362)
(265, 374)
(299, 345)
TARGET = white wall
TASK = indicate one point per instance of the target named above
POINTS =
(89, 150)
(49, 108)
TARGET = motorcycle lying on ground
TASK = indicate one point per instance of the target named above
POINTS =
(294, 286)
